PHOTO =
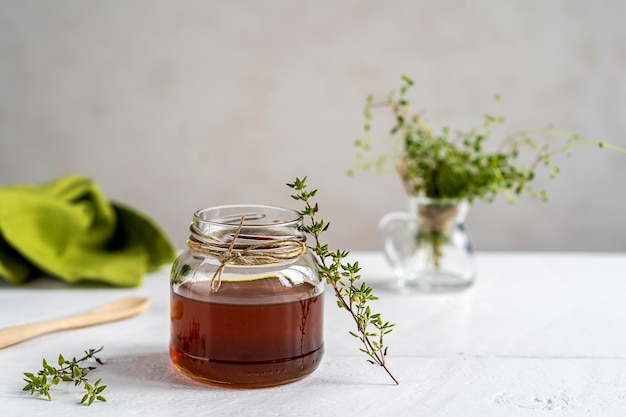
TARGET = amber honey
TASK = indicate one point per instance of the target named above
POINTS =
(251, 334)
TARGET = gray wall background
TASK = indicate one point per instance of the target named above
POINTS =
(175, 106)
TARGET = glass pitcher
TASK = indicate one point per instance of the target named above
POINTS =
(428, 246)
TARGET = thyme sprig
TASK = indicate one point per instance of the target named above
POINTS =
(344, 278)
(68, 371)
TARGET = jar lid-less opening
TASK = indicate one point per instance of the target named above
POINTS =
(260, 222)
(255, 215)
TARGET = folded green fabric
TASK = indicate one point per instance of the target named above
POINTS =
(68, 229)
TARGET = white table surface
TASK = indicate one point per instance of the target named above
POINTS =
(537, 335)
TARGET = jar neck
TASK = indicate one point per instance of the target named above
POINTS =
(246, 227)
(246, 236)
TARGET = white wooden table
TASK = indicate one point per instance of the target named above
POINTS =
(537, 335)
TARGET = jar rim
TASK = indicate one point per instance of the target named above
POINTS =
(256, 215)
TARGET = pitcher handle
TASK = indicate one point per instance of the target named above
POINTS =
(397, 232)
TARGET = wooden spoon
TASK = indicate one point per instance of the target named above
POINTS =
(116, 310)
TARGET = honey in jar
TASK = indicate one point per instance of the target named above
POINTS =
(246, 299)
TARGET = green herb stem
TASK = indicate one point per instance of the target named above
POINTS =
(68, 371)
(343, 278)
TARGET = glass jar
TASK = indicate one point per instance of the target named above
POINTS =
(428, 246)
(246, 299)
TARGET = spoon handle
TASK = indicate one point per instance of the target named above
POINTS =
(116, 310)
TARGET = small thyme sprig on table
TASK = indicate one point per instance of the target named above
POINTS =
(68, 371)
(343, 278)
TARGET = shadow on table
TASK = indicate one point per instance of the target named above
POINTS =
(156, 369)
(149, 368)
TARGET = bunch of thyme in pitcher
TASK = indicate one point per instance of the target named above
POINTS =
(455, 165)
(343, 278)
(68, 371)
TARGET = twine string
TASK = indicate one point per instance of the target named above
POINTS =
(269, 252)
(437, 218)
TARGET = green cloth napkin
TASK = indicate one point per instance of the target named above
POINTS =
(68, 229)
